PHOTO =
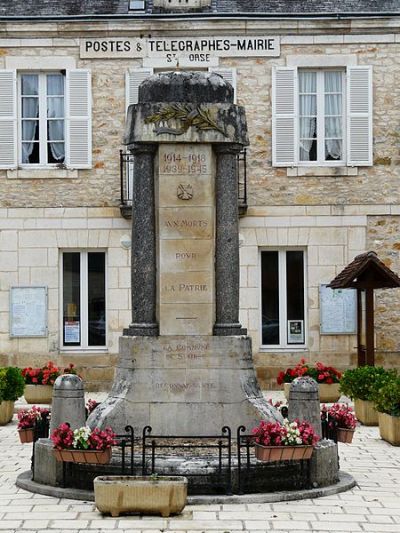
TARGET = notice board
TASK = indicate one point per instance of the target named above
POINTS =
(338, 311)
(28, 312)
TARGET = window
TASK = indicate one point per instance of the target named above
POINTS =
(322, 117)
(42, 118)
(45, 118)
(321, 109)
(84, 299)
(283, 298)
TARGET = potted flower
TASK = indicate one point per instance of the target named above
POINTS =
(284, 442)
(83, 445)
(11, 388)
(27, 419)
(387, 402)
(327, 377)
(359, 385)
(345, 421)
(39, 381)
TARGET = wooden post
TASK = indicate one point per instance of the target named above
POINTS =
(370, 340)
(360, 318)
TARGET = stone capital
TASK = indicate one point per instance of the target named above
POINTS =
(142, 148)
(229, 148)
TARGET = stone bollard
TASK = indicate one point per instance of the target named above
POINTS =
(304, 402)
(68, 402)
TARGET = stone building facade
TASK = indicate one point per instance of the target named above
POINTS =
(319, 82)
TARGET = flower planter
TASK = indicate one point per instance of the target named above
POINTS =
(389, 428)
(41, 394)
(270, 454)
(345, 435)
(84, 456)
(25, 435)
(366, 413)
(6, 412)
(163, 495)
(328, 392)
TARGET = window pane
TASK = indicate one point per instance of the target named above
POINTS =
(333, 149)
(55, 130)
(55, 107)
(295, 296)
(30, 107)
(307, 82)
(71, 299)
(29, 84)
(96, 299)
(333, 127)
(30, 153)
(308, 105)
(30, 130)
(270, 297)
(55, 153)
(308, 150)
(333, 81)
(333, 105)
(55, 84)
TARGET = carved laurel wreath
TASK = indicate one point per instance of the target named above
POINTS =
(189, 115)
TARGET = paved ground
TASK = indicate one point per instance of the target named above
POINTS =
(373, 506)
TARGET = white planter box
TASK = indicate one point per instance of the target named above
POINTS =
(142, 494)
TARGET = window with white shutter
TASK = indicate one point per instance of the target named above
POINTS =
(134, 78)
(79, 119)
(322, 117)
(229, 74)
(8, 119)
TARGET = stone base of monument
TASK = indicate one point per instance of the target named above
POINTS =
(202, 471)
(184, 385)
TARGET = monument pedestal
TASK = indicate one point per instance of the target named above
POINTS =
(184, 385)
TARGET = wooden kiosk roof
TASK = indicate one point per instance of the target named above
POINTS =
(366, 271)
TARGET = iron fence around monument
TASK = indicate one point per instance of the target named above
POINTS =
(214, 464)
(126, 169)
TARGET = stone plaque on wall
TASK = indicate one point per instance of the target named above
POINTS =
(186, 230)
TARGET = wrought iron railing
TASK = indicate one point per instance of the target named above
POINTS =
(126, 168)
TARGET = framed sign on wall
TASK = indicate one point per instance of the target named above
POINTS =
(28, 312)
(338, 311)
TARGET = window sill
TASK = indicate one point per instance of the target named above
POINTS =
(79, 349)
(270, 349)
(42, 173)
(322, 171)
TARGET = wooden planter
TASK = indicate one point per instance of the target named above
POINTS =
(25, 435)
(328, 393)
(366, 413)
(163, 495)
(389, 428)
(345, 435)
(41, 394)
(6, 412)
(270, 454)
(84, 456)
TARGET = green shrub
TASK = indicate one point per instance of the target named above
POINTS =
(387, 397)
(15, 384)
(360, 383)
(3, 383)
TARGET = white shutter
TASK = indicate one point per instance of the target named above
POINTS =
(284, 117)
(229, 74)
(79, 119)
(359, 116)
(8, 119)
(134, 78)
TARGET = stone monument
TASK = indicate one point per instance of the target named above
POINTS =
(185, 364)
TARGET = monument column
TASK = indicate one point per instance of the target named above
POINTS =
(227, 241)
(143, 270)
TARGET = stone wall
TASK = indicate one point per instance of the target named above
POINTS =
(332, 214)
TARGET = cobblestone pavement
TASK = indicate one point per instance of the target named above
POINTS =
(372, 506)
